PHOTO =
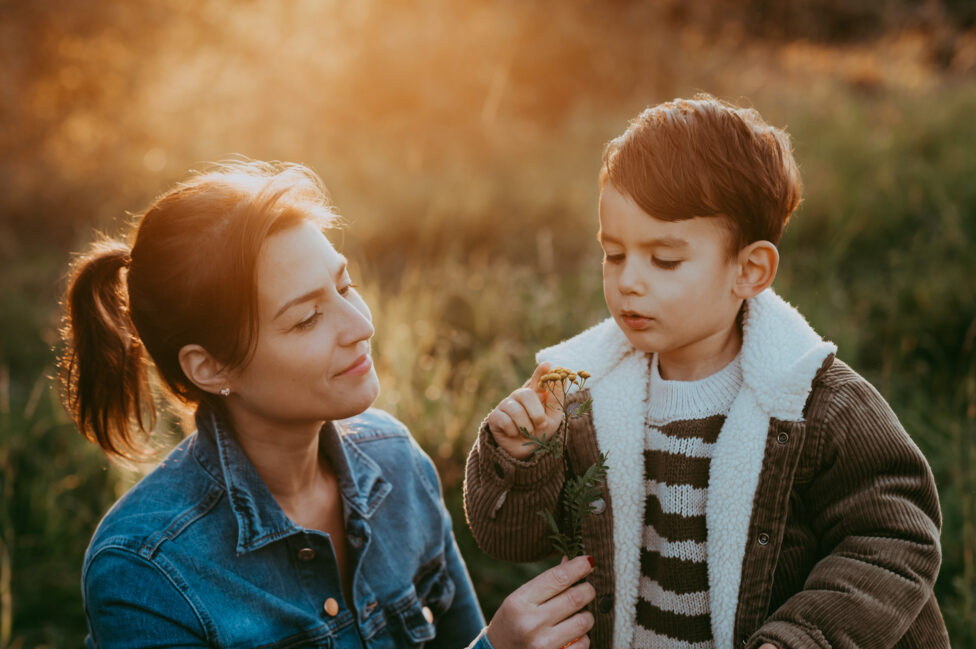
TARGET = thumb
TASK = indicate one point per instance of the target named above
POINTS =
(541, 370)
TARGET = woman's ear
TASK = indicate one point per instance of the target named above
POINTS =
(758, 263)
(203, 370)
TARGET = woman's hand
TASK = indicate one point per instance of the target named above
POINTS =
(529, 407)
(545, 612)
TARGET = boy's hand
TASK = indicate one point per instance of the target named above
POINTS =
(529, 407)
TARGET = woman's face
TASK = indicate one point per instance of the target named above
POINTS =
(311, 362)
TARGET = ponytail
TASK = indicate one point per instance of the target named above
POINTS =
(103, 370)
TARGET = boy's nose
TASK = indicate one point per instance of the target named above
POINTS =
(631, 281)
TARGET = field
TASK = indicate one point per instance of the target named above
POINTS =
(464, 157)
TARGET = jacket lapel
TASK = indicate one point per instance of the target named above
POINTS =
(619, 392)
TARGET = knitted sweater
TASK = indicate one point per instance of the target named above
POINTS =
(683, 422)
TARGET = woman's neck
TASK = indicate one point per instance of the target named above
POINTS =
(285, 456)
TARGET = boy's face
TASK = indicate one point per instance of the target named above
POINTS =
(668, 284)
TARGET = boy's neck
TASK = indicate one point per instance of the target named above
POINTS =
(701, 359)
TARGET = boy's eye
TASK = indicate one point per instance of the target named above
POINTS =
(309, 322)
(345, 289)
(666, 264)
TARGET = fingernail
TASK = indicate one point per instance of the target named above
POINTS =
(591, 560)
(565, 559)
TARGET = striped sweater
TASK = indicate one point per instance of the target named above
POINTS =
(684, 419)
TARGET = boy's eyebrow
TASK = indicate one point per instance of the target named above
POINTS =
(314, 293)
(658, 242)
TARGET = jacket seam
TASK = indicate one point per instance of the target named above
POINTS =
(178, 525)
(205, 622)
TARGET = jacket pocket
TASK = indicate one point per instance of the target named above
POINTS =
(419, 608)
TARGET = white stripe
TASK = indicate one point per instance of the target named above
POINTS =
(655, 440)
(678, 498)
(681, 603)
(647, 639)
(684, 550)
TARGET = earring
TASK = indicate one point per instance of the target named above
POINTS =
(225, 391)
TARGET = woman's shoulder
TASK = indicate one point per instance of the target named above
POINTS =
(173, 495)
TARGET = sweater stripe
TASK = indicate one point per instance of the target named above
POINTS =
(677, 469)
(690, 628)
(648, 639)
(677, 575)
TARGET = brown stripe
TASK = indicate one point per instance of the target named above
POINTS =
(674, 527)
(690, 628)
(707, 428)
(676, 575)
(676, 469)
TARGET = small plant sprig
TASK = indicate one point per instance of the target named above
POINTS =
(575, 505)
(579, 492)
(559, 382)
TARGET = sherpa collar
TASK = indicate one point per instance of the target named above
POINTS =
(780, 356)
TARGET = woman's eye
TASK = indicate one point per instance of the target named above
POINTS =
(666, 264)
(309, 322)
(345, 289)
(612, 259)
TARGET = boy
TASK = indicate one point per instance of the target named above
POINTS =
(759, 492)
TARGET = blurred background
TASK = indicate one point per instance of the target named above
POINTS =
(462, 142)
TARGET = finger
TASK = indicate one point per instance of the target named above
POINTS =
(579, 643)
(532, 404)
(501, 424)
(541, 370)
(516, 411)
(573, 628)
(565, 604)
(556, 580)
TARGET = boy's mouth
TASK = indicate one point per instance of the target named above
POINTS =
(635, 321)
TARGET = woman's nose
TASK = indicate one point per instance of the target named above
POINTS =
(357, 324)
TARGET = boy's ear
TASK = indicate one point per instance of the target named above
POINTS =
(758, 263)
(203, 370)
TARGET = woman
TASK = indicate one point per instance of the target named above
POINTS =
(295, 516)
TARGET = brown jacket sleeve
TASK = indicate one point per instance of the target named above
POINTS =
(875, 510)
(502, 498)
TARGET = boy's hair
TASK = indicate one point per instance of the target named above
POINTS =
(706, 157)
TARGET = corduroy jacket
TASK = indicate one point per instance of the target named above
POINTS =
(822, 514)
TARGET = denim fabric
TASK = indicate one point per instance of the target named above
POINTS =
(200, 554)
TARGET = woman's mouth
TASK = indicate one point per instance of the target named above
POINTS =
(360, 366)
(635, 321)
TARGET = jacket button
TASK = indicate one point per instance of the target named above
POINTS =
(356, 541)
(428, 614)
(783, 437)
(306, 554)
(598, 506)
(605, 603)
(764, 539)
(331, 607)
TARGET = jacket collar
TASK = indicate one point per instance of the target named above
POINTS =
(260, 520)
(781, 355)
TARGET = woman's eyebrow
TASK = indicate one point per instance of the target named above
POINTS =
(314, 293)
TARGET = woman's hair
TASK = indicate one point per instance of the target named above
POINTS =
(188, 277)
(704, 157)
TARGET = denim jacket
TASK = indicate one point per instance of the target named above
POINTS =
(199, 554)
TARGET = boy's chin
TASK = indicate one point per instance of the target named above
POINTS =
(643, 341)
